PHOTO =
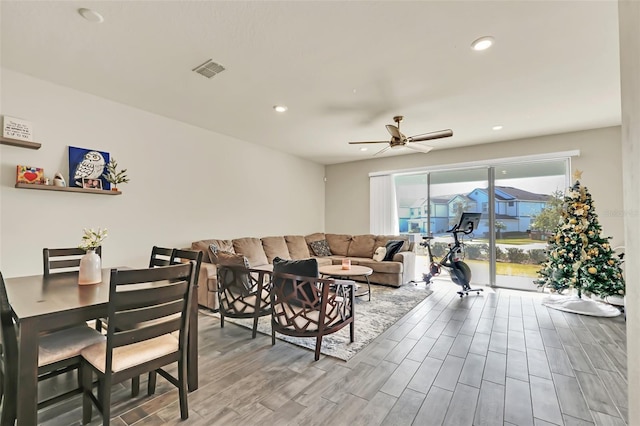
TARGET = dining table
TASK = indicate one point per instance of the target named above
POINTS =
(45, 303)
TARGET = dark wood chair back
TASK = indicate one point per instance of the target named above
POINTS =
(144, 304)
(243, 293)
(63, 259)
(182, 256)
(147, 303)
(311, 307)
(9, 356)
(160, 256)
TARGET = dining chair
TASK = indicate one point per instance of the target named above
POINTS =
(160, 256)
(67, 259)
(145, 307)
(58, 353)
(184, 256)
(308, 306)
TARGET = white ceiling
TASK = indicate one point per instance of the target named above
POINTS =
(344, 68)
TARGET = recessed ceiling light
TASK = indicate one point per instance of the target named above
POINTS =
(482, 43)
(91, 15)
(504, 172)
(280, 108)
(363, 149)
(497, 127)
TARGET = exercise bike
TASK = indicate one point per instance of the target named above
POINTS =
(459, 271)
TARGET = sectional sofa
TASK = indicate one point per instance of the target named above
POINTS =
(260, 253)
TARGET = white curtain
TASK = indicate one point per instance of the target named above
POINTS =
(383, 216)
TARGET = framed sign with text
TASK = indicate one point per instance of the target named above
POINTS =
(15, 128)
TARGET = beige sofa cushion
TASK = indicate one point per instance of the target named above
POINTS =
(203, 246)
(381, 267)
(315, 237)
(339, 243)
(252, 249)
(275, 247)
(382, 240)
(362, 246)
(297, 245)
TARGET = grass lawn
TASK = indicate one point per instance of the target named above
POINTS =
(514, 241)
(517, 269)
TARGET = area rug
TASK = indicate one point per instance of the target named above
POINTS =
(387, 306)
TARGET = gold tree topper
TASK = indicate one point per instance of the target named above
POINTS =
(577, 175)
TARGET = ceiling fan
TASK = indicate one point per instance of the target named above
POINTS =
(399, 140)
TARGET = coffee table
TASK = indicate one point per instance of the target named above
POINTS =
(336, 271)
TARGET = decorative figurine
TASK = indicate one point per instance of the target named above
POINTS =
(58, 180)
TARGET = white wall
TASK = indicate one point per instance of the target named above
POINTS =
(347, 194)
(187, 183)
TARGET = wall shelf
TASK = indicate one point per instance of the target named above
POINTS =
(66, 189)
(19, 143)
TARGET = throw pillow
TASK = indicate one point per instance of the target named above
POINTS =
(303, 268)
(232, 278)
(379, 254)
(320, 248)
(393, 247)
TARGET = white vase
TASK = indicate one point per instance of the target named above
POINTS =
(90, 268)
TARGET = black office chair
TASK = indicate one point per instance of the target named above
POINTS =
(59, 352)
(145, 307)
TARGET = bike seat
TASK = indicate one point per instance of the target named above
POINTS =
(428, 237)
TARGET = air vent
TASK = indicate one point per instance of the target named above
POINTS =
(209, 69)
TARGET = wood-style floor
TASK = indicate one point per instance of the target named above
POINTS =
(500, 358)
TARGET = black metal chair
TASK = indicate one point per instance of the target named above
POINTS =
(59, 352)
(145, 307)
(66, 259)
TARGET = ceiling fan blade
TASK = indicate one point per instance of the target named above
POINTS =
(394, 131)
(433, 135)
(382, 150)
(355, 143)
(418, 147)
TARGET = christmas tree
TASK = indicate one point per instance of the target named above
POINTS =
(578, 256)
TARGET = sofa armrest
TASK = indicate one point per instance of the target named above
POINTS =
(408, 259)
(208, 286)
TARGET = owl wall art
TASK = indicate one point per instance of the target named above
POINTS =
(88, 164)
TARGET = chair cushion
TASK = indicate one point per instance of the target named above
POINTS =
(298, 248)
(128, 356)
(303, 268)
(305, 319)
(320, 248)
(66, 343)
(245, 304)
(393, 247)
(252, 248)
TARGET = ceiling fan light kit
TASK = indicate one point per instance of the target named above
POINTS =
(399, 140)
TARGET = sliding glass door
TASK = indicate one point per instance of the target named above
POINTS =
(451, 193)
(519, 205)
(528, 197)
